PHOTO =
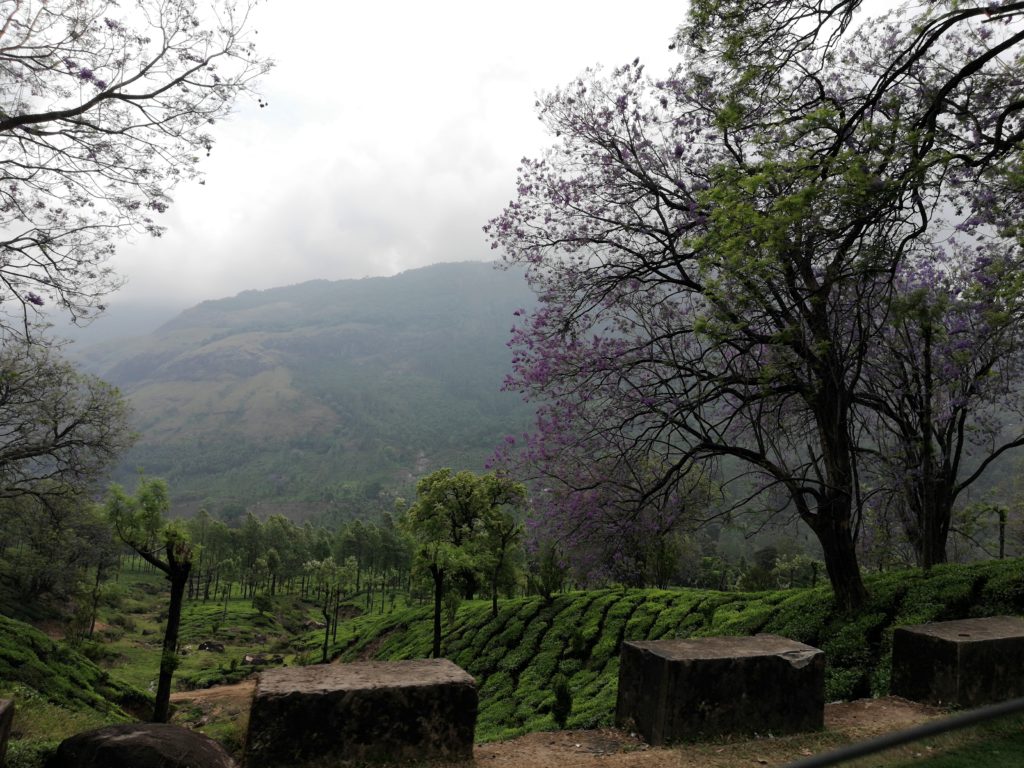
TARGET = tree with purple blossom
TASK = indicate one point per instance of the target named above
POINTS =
(945, 389)
(716, 252)
(103, 112)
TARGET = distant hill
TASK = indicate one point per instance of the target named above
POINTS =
(283, 395)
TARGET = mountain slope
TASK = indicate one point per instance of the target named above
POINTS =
(280, 395)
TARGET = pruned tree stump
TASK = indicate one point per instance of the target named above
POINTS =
(6, 720)
(362, 712)
(681, 690)
(963, 663)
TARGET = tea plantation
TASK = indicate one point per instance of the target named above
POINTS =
(517, 657)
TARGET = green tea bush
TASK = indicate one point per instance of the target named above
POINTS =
(518, 656)
(30, 754)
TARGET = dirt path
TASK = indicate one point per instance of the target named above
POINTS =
(609, 748)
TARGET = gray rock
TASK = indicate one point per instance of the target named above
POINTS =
(140, 745)
(679, 690)
(963, 663)
(6, 720)
(366, 711)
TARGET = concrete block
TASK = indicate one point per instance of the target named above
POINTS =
(681, 690)
(361, 712)
(965, 663)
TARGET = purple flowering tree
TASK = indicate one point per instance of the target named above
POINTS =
(716, 262)
(104, 109)
(945, 388)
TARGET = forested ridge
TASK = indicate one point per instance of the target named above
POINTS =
(297, 396)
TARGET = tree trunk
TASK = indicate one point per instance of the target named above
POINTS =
(327, 625)
(96, 598)
(438, 575)
(840, 555)
(178, 576)
(934, 534)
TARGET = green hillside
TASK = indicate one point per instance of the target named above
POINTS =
(282, 395)
(57, 692)
(516, 655)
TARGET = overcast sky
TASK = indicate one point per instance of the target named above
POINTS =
(392, 135)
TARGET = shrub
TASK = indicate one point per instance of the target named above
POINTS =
(562, 706)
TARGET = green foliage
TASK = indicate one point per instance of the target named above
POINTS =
(60, 675)
(30, 754)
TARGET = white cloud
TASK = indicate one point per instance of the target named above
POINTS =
(393, 134)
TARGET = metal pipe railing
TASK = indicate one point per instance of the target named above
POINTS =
(899, 738)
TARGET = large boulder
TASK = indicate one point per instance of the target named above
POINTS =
(964, 663)
(140, 745)
(678, 690)
(370, 711)
(6, 720)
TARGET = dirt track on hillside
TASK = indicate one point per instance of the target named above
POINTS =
(609, 748)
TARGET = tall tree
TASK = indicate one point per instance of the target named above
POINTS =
(103, 111)
(945, 387)
(140, 521)
(715, 251)
(446, 523)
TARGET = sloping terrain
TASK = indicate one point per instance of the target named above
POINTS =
(282, 395)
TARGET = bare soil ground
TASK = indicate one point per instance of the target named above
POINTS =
(845, 722)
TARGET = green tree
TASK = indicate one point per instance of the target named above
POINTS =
(62, 429)
(140, 521)
(332, 581)
(50, 544)
(501, 531)
(447, 525)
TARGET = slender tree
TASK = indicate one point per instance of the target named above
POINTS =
(140, 521)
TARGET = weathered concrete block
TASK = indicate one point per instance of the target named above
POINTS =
(140, 745)
(963, 663)
(676, 690)
(6, 719)
(366, 711)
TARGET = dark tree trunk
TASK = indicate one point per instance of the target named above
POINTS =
(934, 533)
(438, 575)
(177, 574)
(327, 625)
(840, 555)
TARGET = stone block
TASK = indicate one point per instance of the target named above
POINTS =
(963, 663)
(370, 711)
(681, 690)
(6, 720)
